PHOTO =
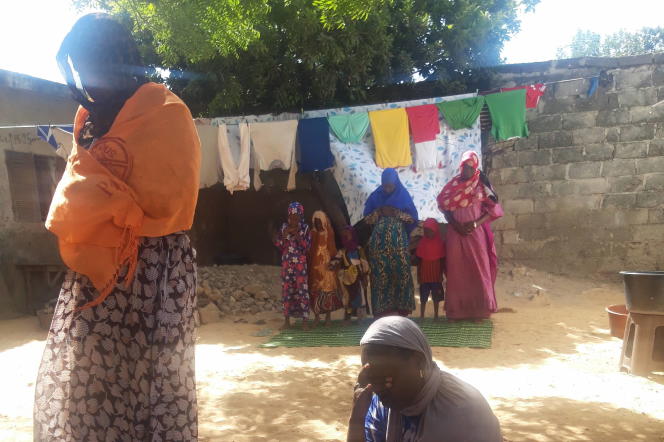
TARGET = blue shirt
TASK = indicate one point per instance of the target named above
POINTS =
(375, 423)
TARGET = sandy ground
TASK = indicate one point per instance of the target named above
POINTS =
(551, 374)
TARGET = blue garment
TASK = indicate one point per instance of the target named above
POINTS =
(313, 136)
(399, 198)
(594, 82)
(375, 423)
(46, 133)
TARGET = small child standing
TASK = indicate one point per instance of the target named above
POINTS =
(431, 260)
(294, 241)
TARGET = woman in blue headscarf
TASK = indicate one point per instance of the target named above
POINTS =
(391, 210)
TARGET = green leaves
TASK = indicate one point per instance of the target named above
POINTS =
(249, 56)
(618, 44)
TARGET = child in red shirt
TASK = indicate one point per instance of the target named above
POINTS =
(431, 256)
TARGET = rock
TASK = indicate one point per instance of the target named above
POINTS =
(262, 295)
(215, 295)
(260, 322)
(517, 294)
(241, 321)
(518, 272)
(540, 298)
(505, 310)
(239, 295)
(210, 314)
(253, 289)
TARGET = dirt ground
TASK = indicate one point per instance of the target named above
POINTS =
(551, 374)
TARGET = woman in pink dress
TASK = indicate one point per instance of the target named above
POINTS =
(470, 205)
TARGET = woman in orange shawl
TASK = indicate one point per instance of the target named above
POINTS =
(119, 357)
(323, 284)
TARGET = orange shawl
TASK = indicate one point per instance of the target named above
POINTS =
(323, 249)
(140, 179)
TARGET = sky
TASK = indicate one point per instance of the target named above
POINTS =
(31, 30)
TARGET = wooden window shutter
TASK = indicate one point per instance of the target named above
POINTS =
(23, 186)
(49, 171)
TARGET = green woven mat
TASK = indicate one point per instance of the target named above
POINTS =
(440, 334)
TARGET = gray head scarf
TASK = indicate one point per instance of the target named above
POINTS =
(449, 409)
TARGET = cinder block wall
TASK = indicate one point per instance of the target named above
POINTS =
(584, 194)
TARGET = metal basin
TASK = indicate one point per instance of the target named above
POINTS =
(644, 292)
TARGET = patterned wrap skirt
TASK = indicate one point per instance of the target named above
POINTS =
(124, 370)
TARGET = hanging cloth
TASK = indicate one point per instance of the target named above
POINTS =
(594, 82)
(426, 155)
(207, 134)
(64, 140)
(236, 170)
(313, 136)
(461, 114)
(533, 93)
(424, 123)
(508, 114)
(390, 133)
(274, 147)
(350, 128)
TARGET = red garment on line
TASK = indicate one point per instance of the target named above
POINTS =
(424, 123)
(533, 93)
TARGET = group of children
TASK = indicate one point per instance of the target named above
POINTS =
(317, 277)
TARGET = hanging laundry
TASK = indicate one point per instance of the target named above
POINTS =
(426, 155)
(350, 128)
(64, 140)
(508, 114)
(390, 132)
(313, 136)
(533, 93)
(274, 147)
(60, 137)
(424, 122)
(208, 135)
(461, 114)
(235, 167)
(594, 82)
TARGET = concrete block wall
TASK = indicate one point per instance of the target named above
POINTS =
(584, 194)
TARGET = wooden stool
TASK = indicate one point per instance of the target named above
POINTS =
(643, 345)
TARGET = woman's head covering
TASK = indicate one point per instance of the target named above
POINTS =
(459, 193)
(433, 248)
(353, 243)
(106, 48)
(296, 208)
(324, 238)
(397, 331)
(399, 198)
(446, 405)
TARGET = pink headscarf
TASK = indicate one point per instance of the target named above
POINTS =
(460, 194)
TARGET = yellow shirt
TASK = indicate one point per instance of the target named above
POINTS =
(390, 133)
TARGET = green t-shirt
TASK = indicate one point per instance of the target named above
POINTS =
(461, 114)
(508, 114)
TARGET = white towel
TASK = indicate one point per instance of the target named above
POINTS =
(426, 155)
(208, 135)
(274, 147)
(235, 166)
(65, 142)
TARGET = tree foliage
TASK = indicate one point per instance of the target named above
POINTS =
(618, 44)
(242, 56)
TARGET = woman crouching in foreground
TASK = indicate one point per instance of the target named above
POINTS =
(402, 396)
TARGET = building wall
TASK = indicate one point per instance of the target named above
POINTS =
(22, 243)
(26, 100)
(584, 194)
